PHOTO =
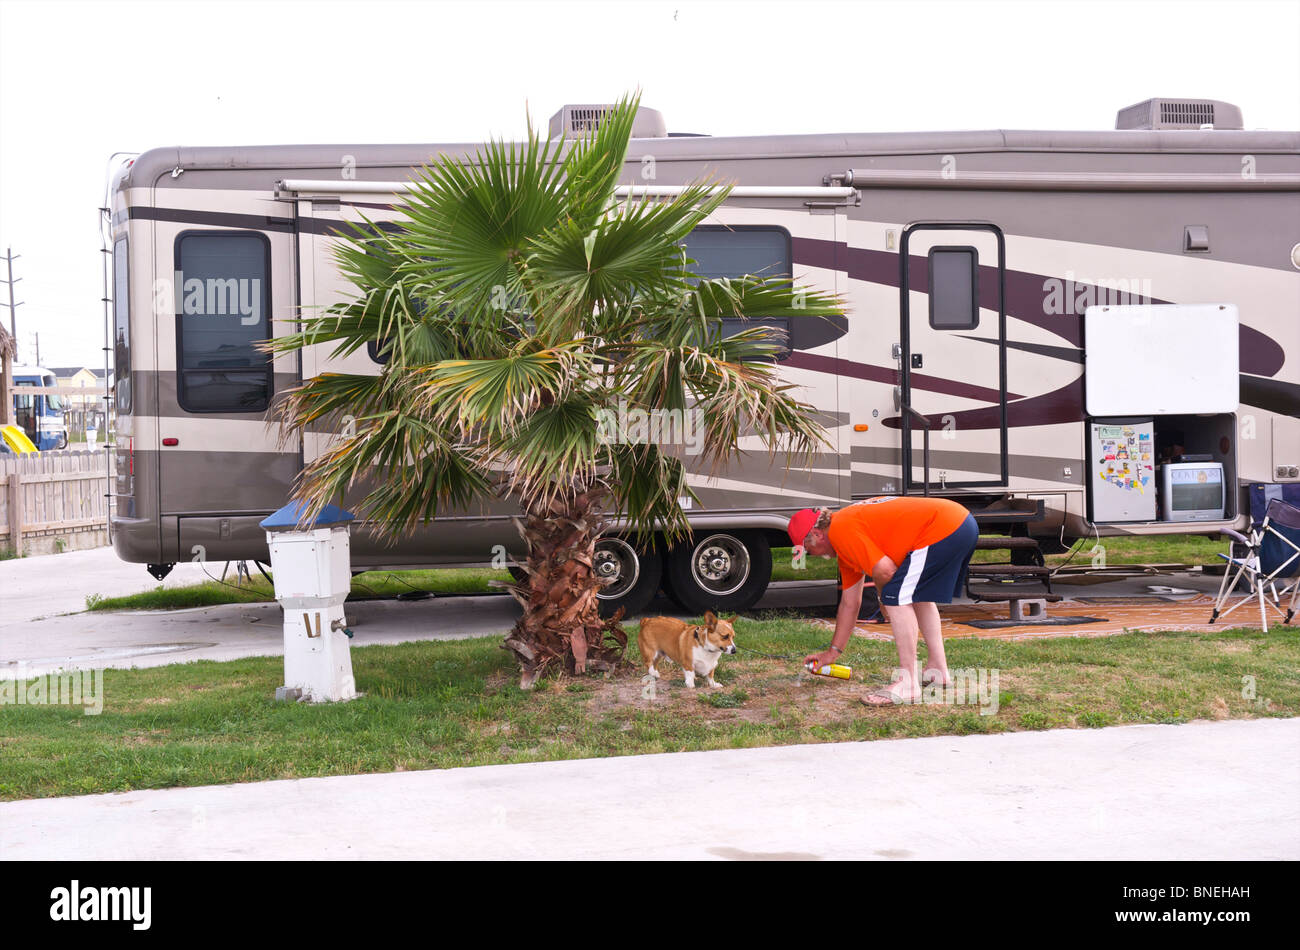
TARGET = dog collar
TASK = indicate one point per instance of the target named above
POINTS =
(704, 643)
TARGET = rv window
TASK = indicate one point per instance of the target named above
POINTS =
(720, 251)
(223, 298)
(954, 288)
(744, 250)
(121, 328)
(53, 403)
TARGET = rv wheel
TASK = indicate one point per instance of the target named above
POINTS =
(719, 570)
(631, 577)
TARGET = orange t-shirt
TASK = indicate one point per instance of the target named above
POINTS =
(892, 525)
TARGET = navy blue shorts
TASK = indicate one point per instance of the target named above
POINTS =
(934, 574)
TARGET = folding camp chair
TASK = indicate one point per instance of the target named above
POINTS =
(1271, 557)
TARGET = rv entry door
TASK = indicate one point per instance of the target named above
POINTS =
(952, 356)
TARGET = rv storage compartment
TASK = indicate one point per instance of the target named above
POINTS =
(1166, 468)
(1162, 375)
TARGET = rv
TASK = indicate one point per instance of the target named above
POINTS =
(1038, 322)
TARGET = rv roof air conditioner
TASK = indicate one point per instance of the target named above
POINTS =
(1179, 114)
(572, 122)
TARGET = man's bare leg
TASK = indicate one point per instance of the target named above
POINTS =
(936, 662)
(903, 621)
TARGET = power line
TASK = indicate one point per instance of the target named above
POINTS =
(10, 257)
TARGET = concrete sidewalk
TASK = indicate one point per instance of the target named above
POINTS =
(1218, 791)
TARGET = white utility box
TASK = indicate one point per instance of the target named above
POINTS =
(311, 567)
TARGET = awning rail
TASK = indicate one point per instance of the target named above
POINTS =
(306, 188)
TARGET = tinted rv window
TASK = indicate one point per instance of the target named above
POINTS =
(223, 298)
(761, 252)
(954, 288)
(121, 328)
(736, 252)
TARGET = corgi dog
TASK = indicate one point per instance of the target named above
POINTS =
(694, 647)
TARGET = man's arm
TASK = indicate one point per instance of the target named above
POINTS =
(846, 619)
(883, 572)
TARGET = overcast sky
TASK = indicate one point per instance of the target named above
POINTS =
(79, 81)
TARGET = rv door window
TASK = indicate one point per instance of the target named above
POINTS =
(954, 288)
(121, 328)
(223, 297)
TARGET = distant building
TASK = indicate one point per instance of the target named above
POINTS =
(83, 377)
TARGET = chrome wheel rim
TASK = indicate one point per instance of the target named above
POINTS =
(616, 566)
(720, 564)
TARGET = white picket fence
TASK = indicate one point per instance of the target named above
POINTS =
(53, 501)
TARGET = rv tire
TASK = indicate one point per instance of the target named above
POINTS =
(719, 570)
(635, 575)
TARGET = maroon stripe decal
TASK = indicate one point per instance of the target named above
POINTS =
(1061, 405)
(1026, 295)
(882, 374)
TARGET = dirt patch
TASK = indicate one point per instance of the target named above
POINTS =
(1219, 708)
(755, 692)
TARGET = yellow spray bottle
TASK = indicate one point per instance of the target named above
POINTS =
(839, 671)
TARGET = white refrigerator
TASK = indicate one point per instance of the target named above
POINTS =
(1121, 480)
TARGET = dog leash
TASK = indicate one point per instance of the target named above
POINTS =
(772, 656)
(800, 656)
(780, 656)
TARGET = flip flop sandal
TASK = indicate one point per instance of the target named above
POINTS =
(929, 679)
(884, 692)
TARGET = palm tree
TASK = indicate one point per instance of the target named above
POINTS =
(516, 301)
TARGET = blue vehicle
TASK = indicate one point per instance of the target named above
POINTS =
(38, 414)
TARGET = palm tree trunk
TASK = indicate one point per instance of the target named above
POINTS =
(561, 621)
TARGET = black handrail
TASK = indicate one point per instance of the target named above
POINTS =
(907, 476)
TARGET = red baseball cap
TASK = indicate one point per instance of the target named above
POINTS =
(801, 524)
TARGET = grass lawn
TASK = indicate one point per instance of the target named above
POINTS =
(1169, 549)
(448, 704)
(367, 584)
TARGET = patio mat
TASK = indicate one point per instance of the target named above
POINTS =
(1046, 622)
(1139, 615)
(1146, 598)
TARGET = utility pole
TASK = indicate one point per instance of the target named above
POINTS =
(10, 257)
